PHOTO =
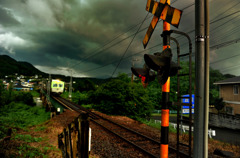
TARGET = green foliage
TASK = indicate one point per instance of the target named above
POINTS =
(35, 94)
(8, 96)
(219, 104)
(156, 125)
(40, 128)
(21, 115)
(24, 97)
(26, 150)
(123, 77)
(83, 85)
(27, 138)
(120, 98)
(77, 97)
(10, 66)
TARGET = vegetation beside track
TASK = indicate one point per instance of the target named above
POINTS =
(17, 114)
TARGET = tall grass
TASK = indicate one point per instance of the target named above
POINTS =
(19, 115)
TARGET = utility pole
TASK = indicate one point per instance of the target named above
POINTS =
(70, 87)
(49, 85)
(165, 99)
(133, 66)
(200, 144)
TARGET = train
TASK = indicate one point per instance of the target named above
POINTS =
(57, 86)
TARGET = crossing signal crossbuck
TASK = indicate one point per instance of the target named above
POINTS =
(161, 10)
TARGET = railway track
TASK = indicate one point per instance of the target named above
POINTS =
(145, 144)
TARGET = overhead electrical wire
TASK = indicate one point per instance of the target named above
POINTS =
(86, 58)
(124, 58)
(128, 46)
(212, 47)
(134, 34)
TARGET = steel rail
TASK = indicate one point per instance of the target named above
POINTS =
(135, 145)
(93, 116)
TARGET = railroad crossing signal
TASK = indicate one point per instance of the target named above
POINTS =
(145, 74)
(161, 10)
(161, 62)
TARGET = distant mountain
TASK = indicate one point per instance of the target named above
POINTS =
(9, 66)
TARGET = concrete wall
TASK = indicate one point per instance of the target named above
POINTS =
(224, 120)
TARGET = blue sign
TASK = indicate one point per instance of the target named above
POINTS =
(187, 100)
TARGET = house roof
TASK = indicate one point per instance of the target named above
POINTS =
(233, 80)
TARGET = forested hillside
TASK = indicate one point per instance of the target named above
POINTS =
(9, 66)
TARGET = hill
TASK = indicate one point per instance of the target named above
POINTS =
(9, 66)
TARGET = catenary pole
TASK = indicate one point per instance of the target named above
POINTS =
(200, 144)
(206, 112)
(165, 99)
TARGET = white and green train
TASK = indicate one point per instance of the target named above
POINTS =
(57, 86)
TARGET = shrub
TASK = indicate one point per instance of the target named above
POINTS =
(121, 98)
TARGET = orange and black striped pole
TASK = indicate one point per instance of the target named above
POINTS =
(165, 99)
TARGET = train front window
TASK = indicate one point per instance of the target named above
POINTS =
(60, 85)
(55, 85)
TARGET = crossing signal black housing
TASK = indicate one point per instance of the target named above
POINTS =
(145, 74)
(161, 62)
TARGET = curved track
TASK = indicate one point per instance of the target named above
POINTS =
(141, 142)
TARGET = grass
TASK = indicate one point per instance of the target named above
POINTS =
(27, 138)
(19, 115)
(40, 128)
(35, 93)
(88, 106)
(157, 125)
(26, 150)
(173, 115)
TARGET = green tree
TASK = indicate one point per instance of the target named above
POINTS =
(120, 98)
(124, 77)
(219, 104)
(83, 85)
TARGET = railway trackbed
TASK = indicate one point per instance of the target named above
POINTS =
(146, 145)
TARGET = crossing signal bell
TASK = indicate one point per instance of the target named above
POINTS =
(145, 74)
(161, 62)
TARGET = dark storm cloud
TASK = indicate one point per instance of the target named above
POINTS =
(58, 43)
(59, 33)
(7, 18)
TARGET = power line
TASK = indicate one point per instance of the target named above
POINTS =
(213, 47)
(224, 59)
(120, 36)
(129, 45)
(123, 58)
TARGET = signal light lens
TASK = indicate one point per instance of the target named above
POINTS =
(145, 74)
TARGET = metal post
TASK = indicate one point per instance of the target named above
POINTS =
(165, 100)
(133, 66)
(70, 86)
(206, 110)
(49, 88)
(200, 101)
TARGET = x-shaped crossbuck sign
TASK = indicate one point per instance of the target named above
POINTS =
(161, 10)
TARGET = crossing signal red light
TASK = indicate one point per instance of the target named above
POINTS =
(145, 74)
(161, 62)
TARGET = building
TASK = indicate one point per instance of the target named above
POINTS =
(229, 91)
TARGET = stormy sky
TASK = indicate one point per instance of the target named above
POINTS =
(90, 37)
